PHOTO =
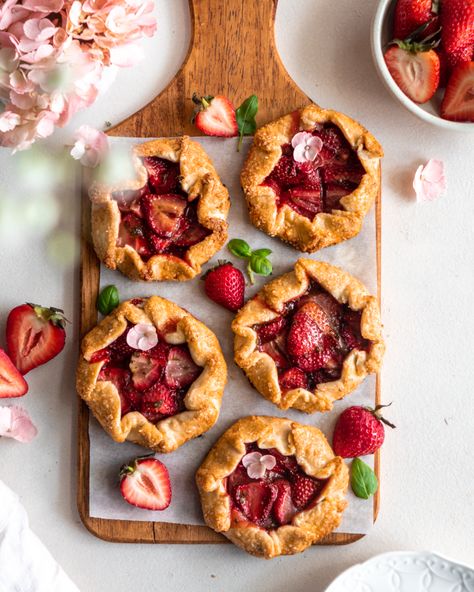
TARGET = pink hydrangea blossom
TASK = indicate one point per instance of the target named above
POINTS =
(16, 423)
(142, 336)
(91, 146)
(257, 464)
(53, 56)
(306, 147)
(429, 182)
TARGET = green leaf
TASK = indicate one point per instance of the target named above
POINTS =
(260, 265)
(364, 482)
(245, 115)
(108, 300)
(262, 252)
(239, 248)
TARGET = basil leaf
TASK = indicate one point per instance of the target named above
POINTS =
(262, 252)
(260, 265)
(364, 482)
(108, 300)
(239, 248)
(245, 116)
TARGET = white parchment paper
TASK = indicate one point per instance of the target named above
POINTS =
(357, 256)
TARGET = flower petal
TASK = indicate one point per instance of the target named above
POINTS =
(16, 423)
(268, 461)
(256, 470)
(142, 336)
(300, 138)
(434, 172)
(429, 181)
(251, 458)
(299, 153)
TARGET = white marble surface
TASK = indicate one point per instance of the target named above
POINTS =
(428, 262)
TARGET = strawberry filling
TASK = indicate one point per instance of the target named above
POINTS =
(152, 382)
(310, 188)
(311, 339)
(159, 218)
(274, 499)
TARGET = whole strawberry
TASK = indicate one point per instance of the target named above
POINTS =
(359, 431)
(225, 284)
(411, 14)
(457, 32)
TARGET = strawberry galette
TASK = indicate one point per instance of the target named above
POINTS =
(272, 486)
(311, 176)
(309, 337)
(152, 373)
(169, 221)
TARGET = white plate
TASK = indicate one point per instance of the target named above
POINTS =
(406, 572)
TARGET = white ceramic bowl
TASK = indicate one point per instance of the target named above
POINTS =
(406, 571)
(380, 36)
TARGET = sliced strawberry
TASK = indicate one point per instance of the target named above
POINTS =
(276, 353)
(35, 334)
(283, 508)
(12, 383)
(147, 366)
(145, 483)
(284, 463)
(333, 194)
(416, 71)
(158, 402)
(163, 175)
(129, 201)
(339, 173)
(293, 378)
(180, 371)
(335, 147)
(350, 331)
(305, 490)
(286, 172)
(256, 500)
(101, 355)
(131, 233)
(458, 101)
(306, 330)
(236, 478)
(268, 331)
(117, 376)
(119, 349)
(158, 244)
(216, 116)
(308, 202)
(193, 234)
(309, 174)
(164, 213)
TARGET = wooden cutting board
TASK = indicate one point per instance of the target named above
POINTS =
(232, 52)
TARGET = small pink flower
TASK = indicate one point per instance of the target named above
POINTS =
(9, 121)
(306, 147)
(257, 464)
(16, 423)
(429, 182)
(91, 146)
(142, 336)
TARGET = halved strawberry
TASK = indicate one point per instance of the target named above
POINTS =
(164, 213)
(415, 68)
(309, 174)
(458, 101)
(216, 116)
(286, 172)
(306, 330)
(163, 175)
(131, 232)
(268, 331)
(158, 402)
(335, 147)
(283, 508)
(256, 499)
(147, 366)
(293, 378)
(12, 383)
(35, 334)
(145, 483)
(305, 490)
(180, 371)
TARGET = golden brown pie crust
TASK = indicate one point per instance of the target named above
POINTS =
(313, 454)
(199, 180)
(270, 303)
(326, 228)
(203, 399)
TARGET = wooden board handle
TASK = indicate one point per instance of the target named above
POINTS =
(232, 52)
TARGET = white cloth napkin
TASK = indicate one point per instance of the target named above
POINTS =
(25, 563)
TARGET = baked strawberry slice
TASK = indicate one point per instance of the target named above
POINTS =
(335, 148)
(458, 100)
(284, 463)
(101, 355)
(275, 351)
(283, 508)
(180, 371)
(256, 500)
(164, 213)
(119, 377)
(333, 194)
(286, 172)
(12, 383)
(145, 483)
(35, 334)
(293, 378)
(158, 244)
(309, 174)
(305, 490)
(307, 201)
(119, 349)
(351, 333)
(268, 331)
(236, 478)
(132, 233)
(147, 366)
(163, 175)
(158, 402)
(215, 116)
(191, 235)
(129, 200)
(306, 330)
(339, 173)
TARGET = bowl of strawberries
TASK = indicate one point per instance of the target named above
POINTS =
(424, 52)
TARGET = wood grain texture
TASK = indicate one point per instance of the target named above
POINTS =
(232, 52)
